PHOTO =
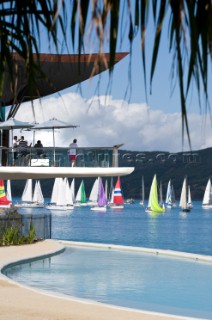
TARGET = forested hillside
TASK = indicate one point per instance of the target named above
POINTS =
(196, 165)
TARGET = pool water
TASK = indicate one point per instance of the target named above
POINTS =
(124, 278)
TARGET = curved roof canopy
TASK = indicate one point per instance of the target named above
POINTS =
(62, 71)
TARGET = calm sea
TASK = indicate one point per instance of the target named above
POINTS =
(132, 226)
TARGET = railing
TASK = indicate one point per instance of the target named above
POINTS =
(59, 157)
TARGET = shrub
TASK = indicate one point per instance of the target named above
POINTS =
(11, 229)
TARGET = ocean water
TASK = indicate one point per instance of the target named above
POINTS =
(189, 232)
(129, 279)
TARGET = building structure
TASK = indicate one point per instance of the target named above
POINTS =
(62, 71)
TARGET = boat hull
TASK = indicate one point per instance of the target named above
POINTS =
(116, 206)
(22, 205)
(6, 205)
(207, 206)
(186, 210)
(59, 208)
(98, 209)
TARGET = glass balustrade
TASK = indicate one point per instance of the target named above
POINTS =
(59, 157)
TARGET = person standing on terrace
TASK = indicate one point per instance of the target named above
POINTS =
(15, 152)
(73, 152)
(24, 149)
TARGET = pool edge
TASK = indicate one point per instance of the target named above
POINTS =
(61, 244)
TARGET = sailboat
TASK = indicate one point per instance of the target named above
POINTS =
(31, 199)
(4, 202)
(207, 199)
(61, 196)
(183, 198)
(153, 205)
(117, 200)
(170, 196)
(93, 198)
(142, 192)
(81, 199)
(102, 199)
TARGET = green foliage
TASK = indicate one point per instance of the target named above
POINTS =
(31, 236)
(12, 236)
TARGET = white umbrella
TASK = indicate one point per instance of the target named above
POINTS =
(12, 123)
(32, 129)
(53, 124)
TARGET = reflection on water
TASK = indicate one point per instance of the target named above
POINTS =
(154, 214)
(184, 215)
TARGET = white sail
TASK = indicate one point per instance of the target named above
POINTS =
(207, 199)
(27, 194)
(69, 197)
(61, 194)
(55, 190)
(61, 199)
(78, 195)
(94, 191)
(169, 193)
(72, 190)
(38, 195)
(30, 199)
(9, 193)
(183, 197)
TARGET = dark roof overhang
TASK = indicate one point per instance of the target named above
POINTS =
(62, 71)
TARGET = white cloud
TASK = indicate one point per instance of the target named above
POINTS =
(105, 122)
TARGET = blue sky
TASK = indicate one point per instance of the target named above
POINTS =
(143, 125)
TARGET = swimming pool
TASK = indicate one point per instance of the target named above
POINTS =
(124, 278)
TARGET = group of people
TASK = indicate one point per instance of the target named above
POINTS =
(21, 150)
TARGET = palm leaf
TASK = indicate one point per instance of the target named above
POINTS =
(161, 16)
